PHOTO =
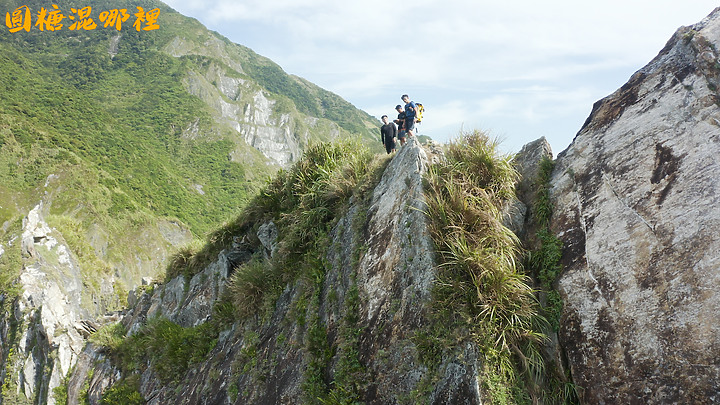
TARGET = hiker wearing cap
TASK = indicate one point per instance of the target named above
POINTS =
(400, 121)
(410, 113)
(388, 132)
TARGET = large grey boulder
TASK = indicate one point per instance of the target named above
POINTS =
(637, 205)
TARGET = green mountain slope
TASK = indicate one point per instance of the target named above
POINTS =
(136, 141)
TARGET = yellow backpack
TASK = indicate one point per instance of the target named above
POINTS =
(419, 112)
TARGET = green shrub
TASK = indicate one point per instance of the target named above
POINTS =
(124, 392)
(543, 261)
(251, 283)
(10, 265)
(60, 393)
(168, 347)
(186, 261)
(478, 287)
(109, 336)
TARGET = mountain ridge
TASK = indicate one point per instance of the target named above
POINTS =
(361, 278)
(124, 154)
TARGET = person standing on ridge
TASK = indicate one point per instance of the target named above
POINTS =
(400, 121)
(410, 113)
(388, 132)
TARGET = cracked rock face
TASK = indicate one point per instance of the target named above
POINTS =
(274, 135)
(47, 311)
(637, 205)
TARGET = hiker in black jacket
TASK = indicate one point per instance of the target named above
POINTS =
(388, 132)
(400, 121)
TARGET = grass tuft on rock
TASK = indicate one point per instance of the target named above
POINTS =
(479, 290)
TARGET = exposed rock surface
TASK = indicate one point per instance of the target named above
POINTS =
(47, 314)
(246, 109)
(518, 211)
(93, 373)
(637, 205)
(382, 248)
(394, 278)
(262, 121)
(46, 329)
(527, 162)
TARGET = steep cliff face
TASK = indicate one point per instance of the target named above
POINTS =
(637, 207)
(271, 111)
(372, 301)
(266, 122)
(46, 314)
(58, 307)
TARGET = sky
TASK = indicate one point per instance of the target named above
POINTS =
(516, 69)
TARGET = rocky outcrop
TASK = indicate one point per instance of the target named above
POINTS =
(380, 249)
(242, 106)
(519, 211)
(45, 329)
(637, 205)
(263, 121)
(394, 278)
(527, 163)
(46, 318)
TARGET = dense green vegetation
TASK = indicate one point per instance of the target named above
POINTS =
(483, 293)
(107, 153)
(169, 347)
(124, 392)
(114, 140)
(480, 293)
(545, 260)
(131, 144)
